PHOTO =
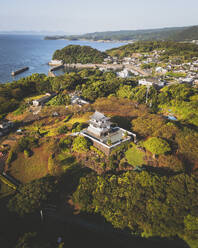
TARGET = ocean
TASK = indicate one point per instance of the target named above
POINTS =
(18, 51)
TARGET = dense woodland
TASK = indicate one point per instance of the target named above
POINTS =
(147, 203)
(169, 49)
(148, 188)
(79, 54)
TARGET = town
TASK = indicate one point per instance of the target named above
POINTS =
(91, 138)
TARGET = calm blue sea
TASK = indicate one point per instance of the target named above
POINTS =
(18, 51)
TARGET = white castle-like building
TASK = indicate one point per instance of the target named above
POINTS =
(99, 125)
(104, 134)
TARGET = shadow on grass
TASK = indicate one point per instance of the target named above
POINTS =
(69, 181)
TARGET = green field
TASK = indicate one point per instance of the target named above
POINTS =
(134, 156)
(28, 169)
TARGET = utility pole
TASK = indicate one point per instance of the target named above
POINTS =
(41, 213)
(147, 91)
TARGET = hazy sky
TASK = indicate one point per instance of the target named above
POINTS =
(80, 16)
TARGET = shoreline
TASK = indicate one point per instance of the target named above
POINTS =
(91, 40)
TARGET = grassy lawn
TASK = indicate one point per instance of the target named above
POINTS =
(66, 160)
(184, 112)
(80, 119)
(34, 167)
(29, 99)
(134, 156)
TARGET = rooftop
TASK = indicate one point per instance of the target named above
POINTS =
(98, 116)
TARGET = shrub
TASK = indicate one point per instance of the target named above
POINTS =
(27, 143)
(171, 162)
(68, 117)
(27, 153)
(80, 144)
(66, 142)
(157, 146)
(77, 127)
(62, 130)
(11, 157)
(93, 148)
(51, 165)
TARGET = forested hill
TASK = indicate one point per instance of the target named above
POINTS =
(187, 34)
(168, 49)
(79, 54)
(173, 33)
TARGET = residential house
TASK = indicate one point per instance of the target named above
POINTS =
(152, 82)
(78, 100)
(123, 74)
(43, 100)
(188, 80)
(161, 70)
(5, 126)
(145, 82)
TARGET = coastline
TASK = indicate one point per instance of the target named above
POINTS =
(90, 40)
(37, 54)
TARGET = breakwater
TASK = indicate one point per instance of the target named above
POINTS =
(13, 73)
(54, 68)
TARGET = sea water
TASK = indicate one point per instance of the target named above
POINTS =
(18, 51)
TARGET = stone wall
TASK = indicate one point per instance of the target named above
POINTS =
(102, 148)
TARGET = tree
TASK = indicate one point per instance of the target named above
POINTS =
(63, 129)
(80, 144)
(31, 196)
(148, 204)
(157, 146)
(27, 153)
(33, 240)
(148, 124)
(125, 91)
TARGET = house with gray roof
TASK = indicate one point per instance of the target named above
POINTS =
(43, 100)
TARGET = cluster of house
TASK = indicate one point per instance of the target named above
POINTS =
(152, 82)
(125, 73)
(111, 60)
(75, 100)
(104, 134)
(137, 60)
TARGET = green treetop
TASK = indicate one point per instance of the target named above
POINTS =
(157, 146)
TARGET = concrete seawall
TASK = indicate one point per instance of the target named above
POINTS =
(108, 66)
(95, 66)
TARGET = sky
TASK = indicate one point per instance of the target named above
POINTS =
(83, 16)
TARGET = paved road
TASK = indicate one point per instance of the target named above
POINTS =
(139, 70)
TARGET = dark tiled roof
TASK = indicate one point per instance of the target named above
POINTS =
(98, 116)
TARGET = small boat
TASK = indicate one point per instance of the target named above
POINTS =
(19, 71)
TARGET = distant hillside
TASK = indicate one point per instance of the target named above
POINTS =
(124, 35)
(175, 33)
(184, 51)
(187, 34)
(79, 54)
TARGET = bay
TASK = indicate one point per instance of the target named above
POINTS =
(18, 51)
